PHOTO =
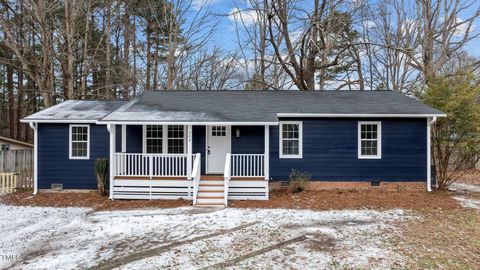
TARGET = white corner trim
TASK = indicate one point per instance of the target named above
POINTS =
(356, 115)
(300, 139)
(70, 142)
(379, 140)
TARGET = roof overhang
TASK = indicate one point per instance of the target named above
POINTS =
(57, 121)
(347, 115)
(187, 123)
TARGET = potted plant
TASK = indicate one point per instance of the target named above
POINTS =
(101, 170)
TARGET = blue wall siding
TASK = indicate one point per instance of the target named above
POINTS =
(54, 165)
(251, 140)
(330, 151)
(134, 139)
(198, 144)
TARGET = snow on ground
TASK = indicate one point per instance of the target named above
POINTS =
(465, 187)
(468, 202)
(193, 238)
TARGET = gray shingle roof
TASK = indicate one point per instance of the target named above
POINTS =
(262, 106)
(77, 110)
(235, 106)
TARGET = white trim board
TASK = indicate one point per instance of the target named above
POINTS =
(355, 115)
(379, 140)
(300, 139)
(70, 142)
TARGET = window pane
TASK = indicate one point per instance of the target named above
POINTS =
(369, 148)
(290, 147)
(175, 146)
(154, 146)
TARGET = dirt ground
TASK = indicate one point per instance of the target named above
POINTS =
(314, 200)
(84, 199)
(374, 199)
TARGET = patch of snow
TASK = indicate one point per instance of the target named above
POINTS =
(465, 187)
(468, 202)
(187, 237)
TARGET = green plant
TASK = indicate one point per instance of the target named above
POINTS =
(101, 170)
(298, 180)
(455, 138)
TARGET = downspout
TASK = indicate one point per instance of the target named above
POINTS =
(430, 122)
(34, 126)
(111, 131)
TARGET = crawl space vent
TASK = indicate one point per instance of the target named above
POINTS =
(57, 187)
(375, 184)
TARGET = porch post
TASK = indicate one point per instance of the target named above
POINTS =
(124, 138)
(189, 152)
(111, 129)
(267, 153)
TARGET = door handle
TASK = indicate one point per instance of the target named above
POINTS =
(208, 150)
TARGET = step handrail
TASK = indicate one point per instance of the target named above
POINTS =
(196, 177)
(226, 177)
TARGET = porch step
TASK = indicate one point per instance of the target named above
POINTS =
(212, 177)
(212, 200)
(210, 204)
(210, 193)
(210, 188)
(211, 183)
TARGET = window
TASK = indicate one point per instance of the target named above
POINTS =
(154, 139)
(291, 140)
(5, 147)
(79, 142)
(176, 139)
(369, 140)
(219, 131)
(164, 139)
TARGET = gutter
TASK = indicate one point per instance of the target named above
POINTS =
(430, 122)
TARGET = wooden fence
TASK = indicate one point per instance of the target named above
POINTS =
(19, 162)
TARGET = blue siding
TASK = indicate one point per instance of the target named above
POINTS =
(330, 152)
(54, 165)
(134, 139)
(198, 143)
(251, 140)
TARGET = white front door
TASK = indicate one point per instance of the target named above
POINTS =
(218, 145)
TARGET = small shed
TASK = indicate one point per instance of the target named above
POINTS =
(12, 144)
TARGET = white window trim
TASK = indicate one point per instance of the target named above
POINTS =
(300, 139)
(379, 140)
(70, 142)
(164, 138)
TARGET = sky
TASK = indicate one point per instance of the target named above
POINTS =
(225, 36)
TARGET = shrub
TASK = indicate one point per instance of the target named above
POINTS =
(101, 170)
(298, 180)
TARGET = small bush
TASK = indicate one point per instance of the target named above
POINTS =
(298, 180)
(101, 170)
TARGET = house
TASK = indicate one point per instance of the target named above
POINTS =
(12, 144)
(215, 146)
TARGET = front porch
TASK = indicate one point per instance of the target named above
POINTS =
(219, 170)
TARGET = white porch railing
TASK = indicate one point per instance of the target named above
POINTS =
(196, 174)
(247, 165)
(150, 165)
(226, 178)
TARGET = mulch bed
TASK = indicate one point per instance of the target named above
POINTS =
(372, 199)
(315, 200)
(84, 199)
